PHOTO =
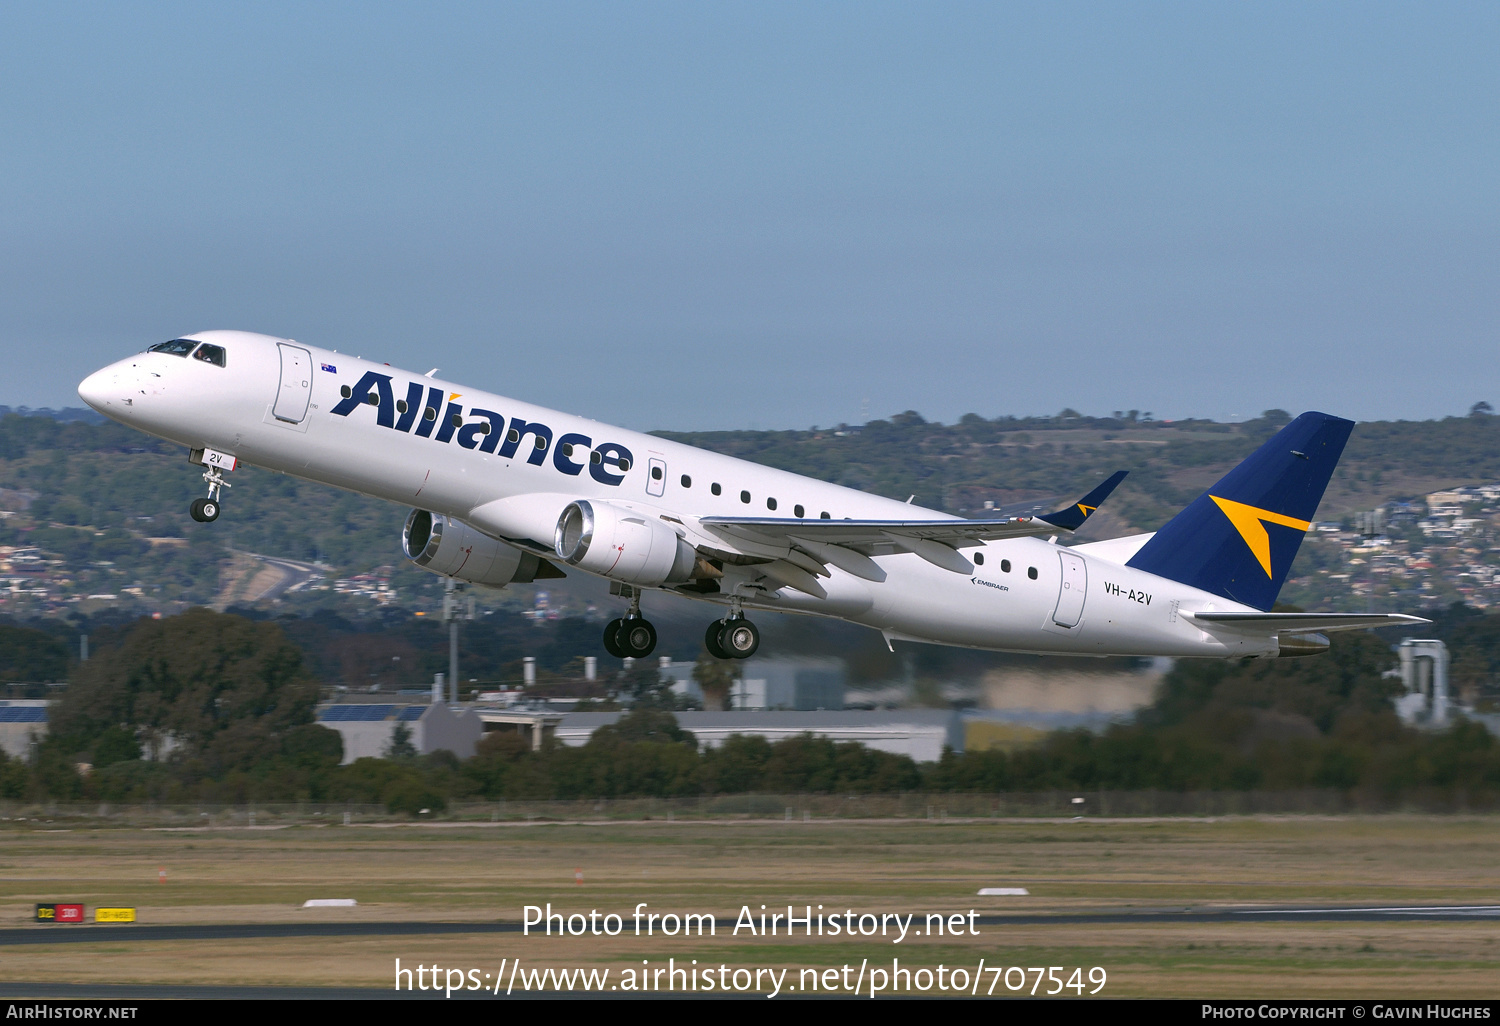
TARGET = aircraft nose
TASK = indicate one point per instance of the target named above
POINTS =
(100, 389)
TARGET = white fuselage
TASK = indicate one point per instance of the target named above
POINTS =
(515, 491)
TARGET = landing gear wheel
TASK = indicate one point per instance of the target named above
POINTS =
(739, 639)
(205, 511)
(611, 635)
(636, 638)
(711, 639)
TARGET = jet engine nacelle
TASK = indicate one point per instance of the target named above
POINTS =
(452, 548)
(1289, 645)
(623, 545)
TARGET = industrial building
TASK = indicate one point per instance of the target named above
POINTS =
(22, 721)
(367, 729)
(804, 683)
(918, 733)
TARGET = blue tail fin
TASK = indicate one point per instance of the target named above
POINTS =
(1238, 539)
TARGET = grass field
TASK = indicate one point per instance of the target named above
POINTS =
(482, 872)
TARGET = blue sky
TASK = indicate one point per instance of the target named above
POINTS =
(772, 215)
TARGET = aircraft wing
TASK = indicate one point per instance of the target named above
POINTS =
(937, 541)
(1308, 623)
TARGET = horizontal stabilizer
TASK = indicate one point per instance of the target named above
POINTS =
(1308, 623)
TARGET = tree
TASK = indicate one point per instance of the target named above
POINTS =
(646, 687)
(716, 679)
(643, 723)
(225, 692)
(401, 748)
(1481, 409)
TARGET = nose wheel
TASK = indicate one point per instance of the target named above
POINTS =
(206, 511)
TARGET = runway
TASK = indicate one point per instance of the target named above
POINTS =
(91, 934)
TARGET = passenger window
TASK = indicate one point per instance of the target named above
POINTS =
(715, 488)
(176, 347)
(624, 465)
(1031, 572)
(513, 436)
(594, 457)
(346, 392)
(541, 441)
(824, 515)
(373, 399)
(744, 496)
(427, 414)
(656, 474)
(687, 482)
(797, 512)
(210, 354)
(401, 408)
(567, 449)
(457, 418)
(1005, 566)
(770, 504)
(979, 559)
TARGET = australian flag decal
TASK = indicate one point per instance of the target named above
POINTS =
(330, 368)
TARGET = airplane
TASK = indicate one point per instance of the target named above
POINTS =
(504, 492)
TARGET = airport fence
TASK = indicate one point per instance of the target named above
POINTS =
(774, 807)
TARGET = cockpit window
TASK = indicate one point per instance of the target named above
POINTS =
(176, 347)
(210, 354)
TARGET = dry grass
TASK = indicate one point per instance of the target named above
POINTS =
(487, 873)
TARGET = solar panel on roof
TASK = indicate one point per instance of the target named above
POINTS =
(412, 712)
(356, 713)
(22, 714)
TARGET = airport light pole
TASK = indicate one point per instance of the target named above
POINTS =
(1371, 526)
(452, 614)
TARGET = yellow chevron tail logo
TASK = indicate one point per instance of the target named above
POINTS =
(1085, 510)
(1251, 523)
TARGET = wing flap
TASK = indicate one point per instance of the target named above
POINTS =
(1307, 623)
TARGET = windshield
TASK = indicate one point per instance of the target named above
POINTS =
(176, 347)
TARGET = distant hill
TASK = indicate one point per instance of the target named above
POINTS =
(108, 505)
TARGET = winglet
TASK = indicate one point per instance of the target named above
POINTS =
(1072, 518)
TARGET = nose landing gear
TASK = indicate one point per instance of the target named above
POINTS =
(206, 511)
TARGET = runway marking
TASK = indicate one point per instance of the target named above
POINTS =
(83, 934)
(1492, 910)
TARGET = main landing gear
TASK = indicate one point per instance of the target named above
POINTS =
(631, 636)
(206, 511)
(733, 637)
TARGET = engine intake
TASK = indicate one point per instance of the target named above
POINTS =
(623, 545)
(451, 548)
